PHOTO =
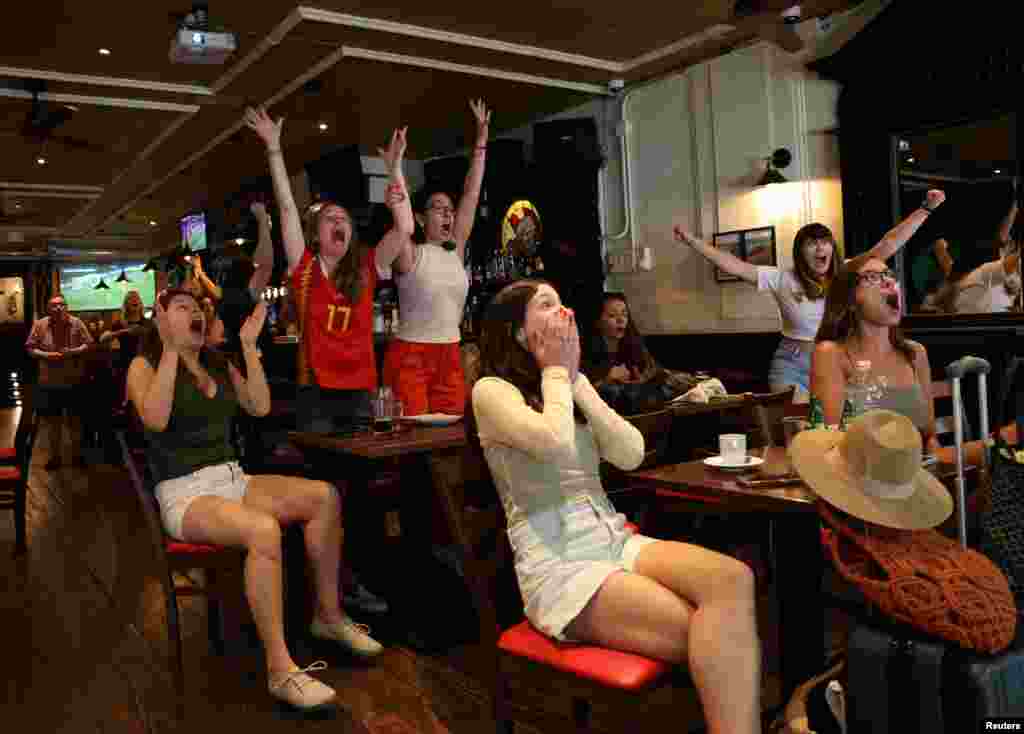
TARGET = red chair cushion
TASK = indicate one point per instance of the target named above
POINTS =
(10, 473)
(8, 453)
(179, 547)
(612, 668)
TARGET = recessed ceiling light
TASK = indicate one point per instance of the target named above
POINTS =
(104, 52)
(17, 205)
(910, 159)
(322, 126)
(152, 222)
(239, 240)
(41, 161)
(997, 171)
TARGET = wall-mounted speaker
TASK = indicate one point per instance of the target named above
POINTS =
(338, 176)
(575, 139)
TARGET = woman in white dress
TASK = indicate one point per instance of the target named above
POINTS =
(583, 575)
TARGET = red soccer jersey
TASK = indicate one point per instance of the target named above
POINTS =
(337, 336)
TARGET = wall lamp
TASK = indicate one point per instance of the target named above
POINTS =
(779, 159)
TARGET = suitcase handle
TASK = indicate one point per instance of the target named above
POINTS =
(967, 366)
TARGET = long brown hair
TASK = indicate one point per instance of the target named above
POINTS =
(502, 355)
(350, 274)
(151, 346)
(632, 350)
(841, 320)
(814, 287)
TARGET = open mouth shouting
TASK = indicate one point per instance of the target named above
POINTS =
(197, 326)
(892, 300)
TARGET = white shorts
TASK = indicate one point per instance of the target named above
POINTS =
(564, 555)
(175, 495)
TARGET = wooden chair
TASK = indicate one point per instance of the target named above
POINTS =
(768, 410)
(176, 557)
(14, 476)
(580, 673)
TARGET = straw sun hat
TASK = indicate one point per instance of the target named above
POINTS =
(872, 471)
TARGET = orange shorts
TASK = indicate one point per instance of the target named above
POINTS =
(427, 378)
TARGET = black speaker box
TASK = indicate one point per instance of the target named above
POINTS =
(338, 176)
(575, 139)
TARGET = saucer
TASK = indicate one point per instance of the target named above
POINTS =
(433, 419)
(718, 463)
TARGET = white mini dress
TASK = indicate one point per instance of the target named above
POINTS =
(566, 535)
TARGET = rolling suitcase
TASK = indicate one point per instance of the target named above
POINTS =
(900, 680)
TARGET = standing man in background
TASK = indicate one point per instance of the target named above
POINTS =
(58, 341)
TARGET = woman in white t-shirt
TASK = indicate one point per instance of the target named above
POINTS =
(800, 290)
(990, 288)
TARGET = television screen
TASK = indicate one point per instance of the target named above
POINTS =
(78, 285)
(193, 231)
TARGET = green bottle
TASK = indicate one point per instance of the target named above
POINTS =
(816, 414)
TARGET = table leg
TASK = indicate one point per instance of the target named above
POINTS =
(453, 507)
(800, 566)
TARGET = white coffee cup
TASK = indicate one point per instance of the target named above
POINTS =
(733, 448)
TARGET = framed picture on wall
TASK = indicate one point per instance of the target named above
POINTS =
(755, 246)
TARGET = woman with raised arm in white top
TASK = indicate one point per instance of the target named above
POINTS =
(800, 289)
(424, 363)
(583, 575)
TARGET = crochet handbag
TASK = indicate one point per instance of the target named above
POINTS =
(926, 580)
(1002, 521)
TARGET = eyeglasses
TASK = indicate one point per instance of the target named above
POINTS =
(875, 277)
(442, 210)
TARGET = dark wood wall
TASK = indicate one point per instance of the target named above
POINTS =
(915, 66)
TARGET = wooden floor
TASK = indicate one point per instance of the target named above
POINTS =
(84, 646)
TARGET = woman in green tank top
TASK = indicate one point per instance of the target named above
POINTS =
(861, 323)
(186, 398)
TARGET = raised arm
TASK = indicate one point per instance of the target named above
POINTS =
(725, 260)
(1003, 233)
(252, 390)
(466, 214)
(396, 248)
(896, 237)
(152, 391)
(209, 287)
(263, 256)
(291, 224)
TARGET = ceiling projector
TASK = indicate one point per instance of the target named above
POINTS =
(196, 46)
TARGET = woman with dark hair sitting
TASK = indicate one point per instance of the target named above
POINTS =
(861, 323)
(186, 396)
(583, 576)
(800, 289)
(618, 363)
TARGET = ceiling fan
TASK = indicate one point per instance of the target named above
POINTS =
(44, 118)
(772, 21)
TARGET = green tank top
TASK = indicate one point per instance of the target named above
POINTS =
(198, 433)
(908, 401)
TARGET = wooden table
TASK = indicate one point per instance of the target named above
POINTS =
(426, 456)
(799, 562)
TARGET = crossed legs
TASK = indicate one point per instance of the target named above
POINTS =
(687, 604)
